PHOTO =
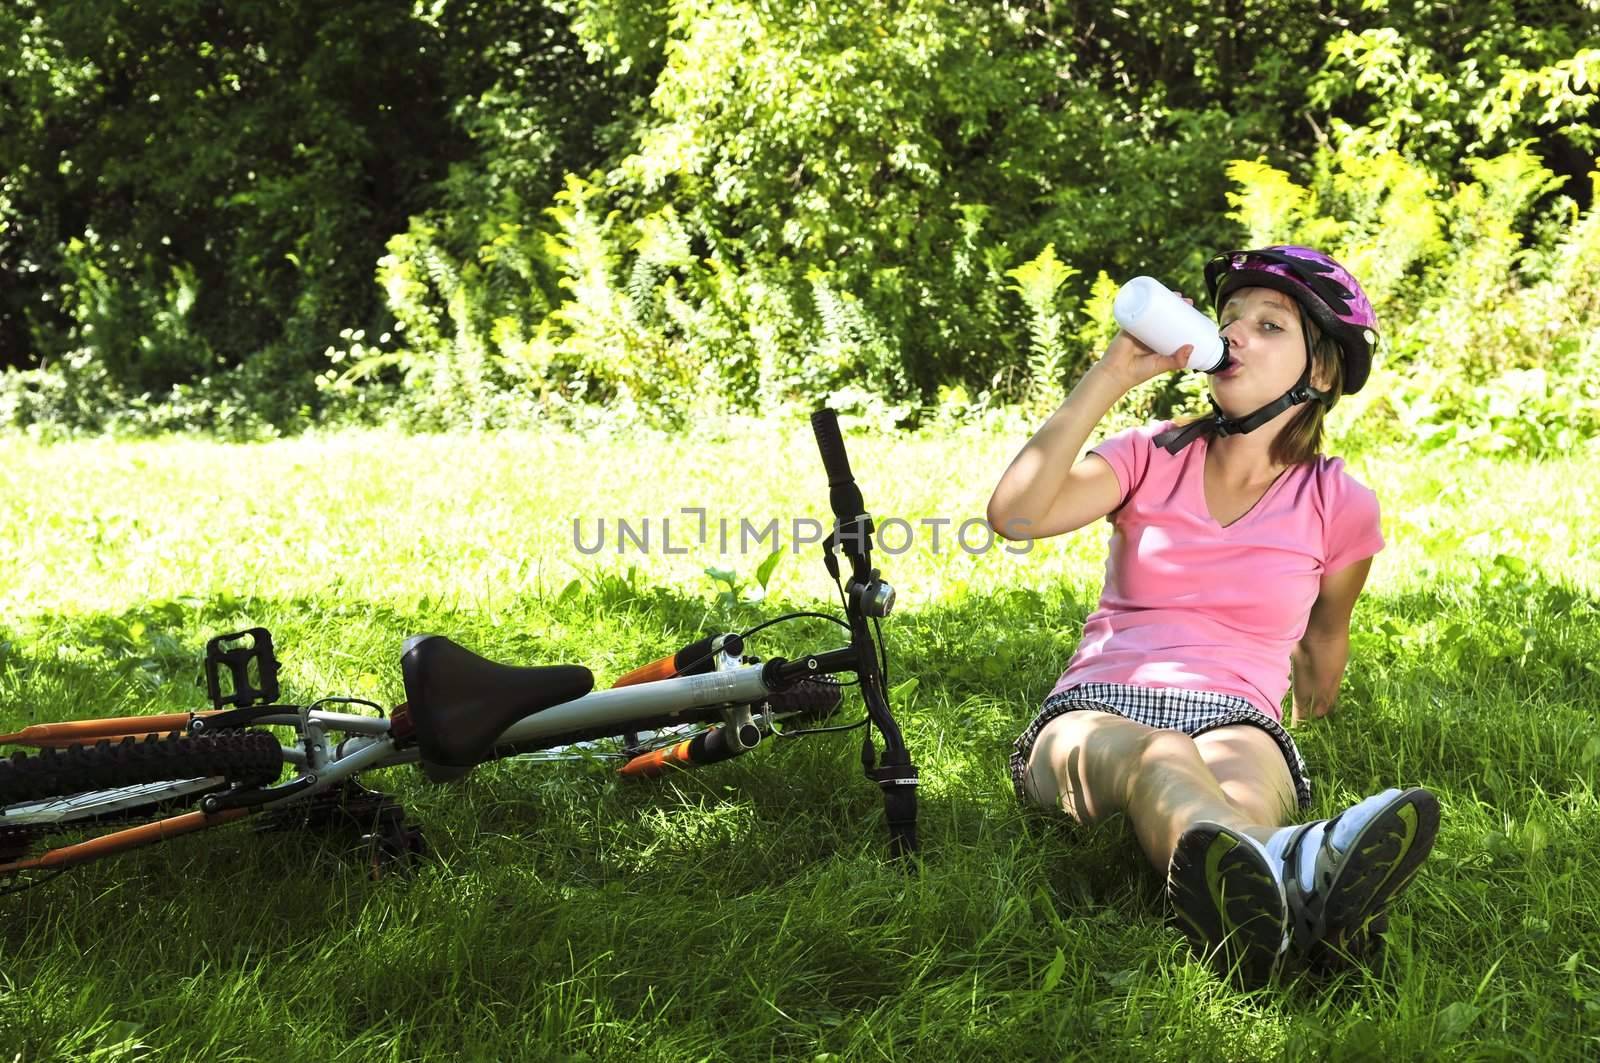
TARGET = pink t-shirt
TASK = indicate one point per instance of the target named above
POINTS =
(1188, 603)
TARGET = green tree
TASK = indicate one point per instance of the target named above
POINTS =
(195, 187)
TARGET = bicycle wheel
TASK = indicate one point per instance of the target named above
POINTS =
(73, 793)
(248, 757)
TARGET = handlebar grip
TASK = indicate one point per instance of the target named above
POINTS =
(825, 425)
(843, 493)
(697, 658)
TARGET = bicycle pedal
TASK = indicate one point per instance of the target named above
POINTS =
(397, 848)
(349, 808)
(251, 666)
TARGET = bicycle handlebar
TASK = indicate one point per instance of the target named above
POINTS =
(843, 493)
(894, 773)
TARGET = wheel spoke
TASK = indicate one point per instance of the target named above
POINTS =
(95, 803)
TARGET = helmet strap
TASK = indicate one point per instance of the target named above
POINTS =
(1220, 424)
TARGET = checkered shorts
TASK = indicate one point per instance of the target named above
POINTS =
(1194, 712)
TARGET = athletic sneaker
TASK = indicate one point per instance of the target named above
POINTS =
(1229, 901)
(1340, 874)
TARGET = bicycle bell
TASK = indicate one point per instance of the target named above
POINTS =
(874, 598)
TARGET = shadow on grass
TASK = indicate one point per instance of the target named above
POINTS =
(1486, 696)
(1431, 670)
(149, 660)
(781, 852)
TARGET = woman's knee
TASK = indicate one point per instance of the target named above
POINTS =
(1081, 762)
(1041, 779)
(1251, 770)
(1166, 747)
(1039, 787)
(1166, 760)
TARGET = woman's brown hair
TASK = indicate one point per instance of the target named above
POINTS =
(1301, 438)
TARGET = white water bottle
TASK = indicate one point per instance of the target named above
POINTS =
(1156, 317)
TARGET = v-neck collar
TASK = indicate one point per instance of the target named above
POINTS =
(1204, 449)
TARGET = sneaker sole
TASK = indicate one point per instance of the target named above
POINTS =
(1228, 902)
(1383, 859)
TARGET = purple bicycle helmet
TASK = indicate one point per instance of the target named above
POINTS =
(1326, 291)
(1324, 288)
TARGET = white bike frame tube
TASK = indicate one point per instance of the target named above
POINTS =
(350, 723)
(617, 706)
(369, 728)
(622, 705)
(336, 771)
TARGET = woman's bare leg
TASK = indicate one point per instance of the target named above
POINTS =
(1252, 773)
(1093, 764)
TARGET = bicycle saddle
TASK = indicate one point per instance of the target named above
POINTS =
(460, 702)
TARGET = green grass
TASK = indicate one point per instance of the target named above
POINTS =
(746, 912)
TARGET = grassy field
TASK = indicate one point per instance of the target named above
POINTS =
(746, 912)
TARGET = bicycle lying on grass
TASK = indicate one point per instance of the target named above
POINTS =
(173, 774)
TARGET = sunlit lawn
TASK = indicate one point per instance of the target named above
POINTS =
(745, 912)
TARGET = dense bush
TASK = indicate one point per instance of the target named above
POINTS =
(193, 192)
(251, 215)
(1491, 338)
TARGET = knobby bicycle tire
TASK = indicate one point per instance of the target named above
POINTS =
(246, 757)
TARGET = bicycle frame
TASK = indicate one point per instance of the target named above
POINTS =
(371, 743)
(375, 746)
(653, 695)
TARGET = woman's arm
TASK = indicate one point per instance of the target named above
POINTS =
(1046, 490)
(1321, 654)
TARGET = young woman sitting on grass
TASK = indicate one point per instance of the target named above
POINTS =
(1236, 549)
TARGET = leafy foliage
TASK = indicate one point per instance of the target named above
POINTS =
(475, 213)
(1487, 343)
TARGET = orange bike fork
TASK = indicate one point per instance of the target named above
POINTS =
(707, 747)
(659, 761)
(56, 735)
(122, 840)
